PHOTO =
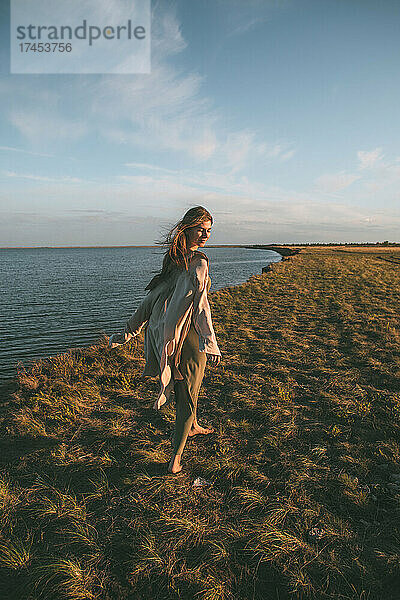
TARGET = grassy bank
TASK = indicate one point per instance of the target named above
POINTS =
(304, 465)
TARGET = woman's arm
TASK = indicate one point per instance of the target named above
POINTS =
(135, 324)
(202, 311)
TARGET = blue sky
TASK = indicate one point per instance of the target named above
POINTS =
(280, 117)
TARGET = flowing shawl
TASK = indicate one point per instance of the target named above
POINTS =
(166, 312)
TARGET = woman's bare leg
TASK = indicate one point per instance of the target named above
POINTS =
(183, 423)
(196, 429)
(175, 464)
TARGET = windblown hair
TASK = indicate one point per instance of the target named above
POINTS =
(177, 254)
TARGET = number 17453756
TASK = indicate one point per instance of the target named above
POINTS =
(45, 47)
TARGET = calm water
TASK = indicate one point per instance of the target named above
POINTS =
(53, 299)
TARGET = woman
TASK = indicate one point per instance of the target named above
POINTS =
(179, 333)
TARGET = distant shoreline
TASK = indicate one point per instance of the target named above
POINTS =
(255, 246)
(84, 247)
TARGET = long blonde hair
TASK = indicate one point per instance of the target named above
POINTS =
(177, 254)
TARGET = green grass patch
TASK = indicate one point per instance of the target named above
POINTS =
(304, 463)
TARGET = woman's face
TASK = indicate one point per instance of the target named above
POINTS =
(198, 235)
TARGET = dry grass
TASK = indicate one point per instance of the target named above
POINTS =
(304, 464)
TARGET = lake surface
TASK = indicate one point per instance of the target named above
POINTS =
(53, 299)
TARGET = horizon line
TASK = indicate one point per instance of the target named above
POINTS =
(133, 246)
(208, 246)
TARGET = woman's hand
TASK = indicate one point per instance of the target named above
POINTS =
(114, 341)
(214, 358)
(117, 339)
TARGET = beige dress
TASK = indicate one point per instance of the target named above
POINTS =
(167, 312)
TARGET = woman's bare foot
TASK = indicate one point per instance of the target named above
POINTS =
(196, 429)
(175, 464)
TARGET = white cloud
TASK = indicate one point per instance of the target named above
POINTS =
(241, 17)
(376, 174)
(226, 182)
(235, 202)
(35, 125)
(288, 155)
(242, 147)
(237, 149)
(164, 111)
(167, 36)
(381, 175)
(335, 181)
(149, 167)
(42, 178)
(369, 159)
(248, 25)
(10, 149)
